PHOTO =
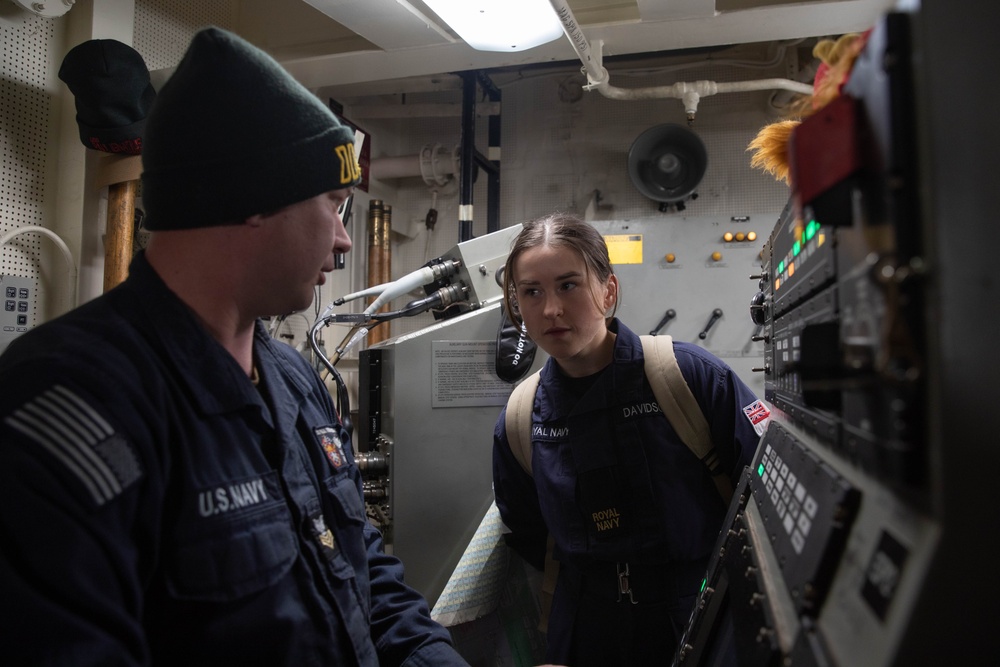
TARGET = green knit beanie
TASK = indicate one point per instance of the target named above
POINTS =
(231, 134)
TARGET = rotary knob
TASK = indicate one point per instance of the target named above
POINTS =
(758, 308)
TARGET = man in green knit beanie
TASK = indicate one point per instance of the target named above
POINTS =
(176, 486)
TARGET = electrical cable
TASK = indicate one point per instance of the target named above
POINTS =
(443, 297)
(343, 396)
(34, 229)
(446, 296)
(388, 291)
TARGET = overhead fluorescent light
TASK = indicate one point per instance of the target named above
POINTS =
(500, 25)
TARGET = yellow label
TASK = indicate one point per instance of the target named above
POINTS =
(624, 248)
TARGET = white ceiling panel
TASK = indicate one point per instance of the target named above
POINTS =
(404, 53)
(658, 10)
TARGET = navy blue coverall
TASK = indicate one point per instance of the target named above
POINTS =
(156, 508)
(616, 487)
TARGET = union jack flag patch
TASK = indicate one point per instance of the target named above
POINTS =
(329, 440)
(758, 414)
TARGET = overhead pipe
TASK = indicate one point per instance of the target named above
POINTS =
(438, 167)
(435, 164)
(379, 256)
(690, 93)
(402, 166)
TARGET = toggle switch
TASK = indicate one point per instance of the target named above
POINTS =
(669, 315)
(716, 314)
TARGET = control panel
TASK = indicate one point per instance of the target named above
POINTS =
(686, 276)
(830, 541)
(18, 308)
(805, 508)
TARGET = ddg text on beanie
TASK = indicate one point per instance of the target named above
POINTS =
(231, 134)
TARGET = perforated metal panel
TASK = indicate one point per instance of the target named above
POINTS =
(163, 28)
(31, 48)
(27, 44)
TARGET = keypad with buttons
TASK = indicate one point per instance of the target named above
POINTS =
(794, 505)
(807, 508)
(18, 307)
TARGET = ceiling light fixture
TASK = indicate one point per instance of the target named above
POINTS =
(46, 8)
(500, 25)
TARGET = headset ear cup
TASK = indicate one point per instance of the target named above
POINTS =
(667, 162)
(515, 351)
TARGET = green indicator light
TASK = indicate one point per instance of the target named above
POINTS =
(760, 470)
(781, 267)
(796, 249)
(703, 582)
(811, 230)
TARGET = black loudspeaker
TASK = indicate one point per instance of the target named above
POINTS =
(667, 162)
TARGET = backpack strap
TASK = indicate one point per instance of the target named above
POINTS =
(547, 592)
(520, 405)
(517, 421)
(675, 399)
(671, 392)
(681, 408)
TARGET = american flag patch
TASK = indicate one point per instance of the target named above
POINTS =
(78, 437)
(758, 414)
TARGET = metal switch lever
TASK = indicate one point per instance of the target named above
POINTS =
(716, 314)
(669, 315)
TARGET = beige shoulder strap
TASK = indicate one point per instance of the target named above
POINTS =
(518, 419)
(671, 391)
(677, 402)
(681, 407)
